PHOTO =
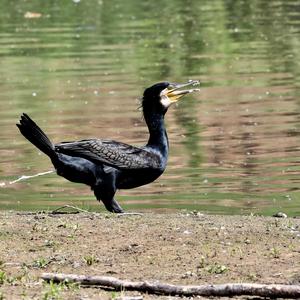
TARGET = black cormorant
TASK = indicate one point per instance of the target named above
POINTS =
(107, 165)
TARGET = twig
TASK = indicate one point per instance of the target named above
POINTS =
(217, 290)
(124, 214)
(130, 298)
(58, 211)
(77, 210)
(24, 177)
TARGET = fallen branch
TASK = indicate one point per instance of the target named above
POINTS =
(217, 290)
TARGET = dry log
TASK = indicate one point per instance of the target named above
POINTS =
(217, 290)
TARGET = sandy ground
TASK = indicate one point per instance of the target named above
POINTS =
(182, 248)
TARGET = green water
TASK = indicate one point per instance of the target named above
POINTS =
(78, 68)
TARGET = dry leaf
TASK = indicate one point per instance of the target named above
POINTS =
(32, 15)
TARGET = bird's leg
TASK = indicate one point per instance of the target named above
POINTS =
(113, 206)
(105, 189)
(107, 197)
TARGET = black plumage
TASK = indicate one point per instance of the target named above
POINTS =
(107, 165)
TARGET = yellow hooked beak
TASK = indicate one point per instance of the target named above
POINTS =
(174, 92)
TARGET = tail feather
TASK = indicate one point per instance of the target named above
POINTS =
(33, 133)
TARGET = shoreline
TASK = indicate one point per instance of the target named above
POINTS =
(178, 248)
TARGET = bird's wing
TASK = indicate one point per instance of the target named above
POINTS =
(115, 154)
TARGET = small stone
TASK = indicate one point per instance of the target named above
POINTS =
(76, 264)
(280, 215)
(186, 232)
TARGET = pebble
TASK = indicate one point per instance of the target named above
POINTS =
(280, 215)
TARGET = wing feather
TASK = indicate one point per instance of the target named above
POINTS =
(115, 154)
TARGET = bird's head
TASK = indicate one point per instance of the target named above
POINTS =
(160, 96)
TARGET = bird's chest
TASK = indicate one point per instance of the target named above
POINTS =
(135, 178)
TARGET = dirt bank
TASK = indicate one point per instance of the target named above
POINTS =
(183, 248)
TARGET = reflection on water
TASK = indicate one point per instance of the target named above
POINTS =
(79, 68)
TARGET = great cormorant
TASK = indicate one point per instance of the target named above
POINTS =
(107, 165)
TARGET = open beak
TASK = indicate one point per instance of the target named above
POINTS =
(174, 91)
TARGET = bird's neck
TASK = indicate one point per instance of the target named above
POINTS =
(158, 138)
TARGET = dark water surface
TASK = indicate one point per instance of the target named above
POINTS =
(78, 68)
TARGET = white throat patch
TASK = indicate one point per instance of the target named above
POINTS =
(165, 100)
